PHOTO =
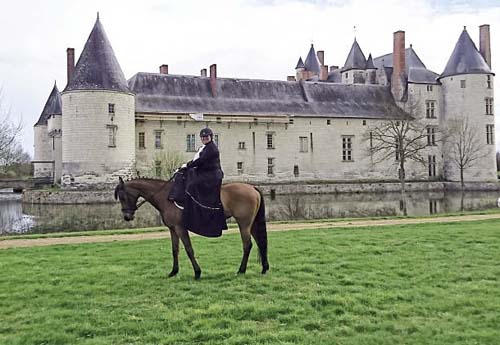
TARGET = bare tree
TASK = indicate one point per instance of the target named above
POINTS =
(165, 163)
(402, 140)
(10, 148)
(464, 146)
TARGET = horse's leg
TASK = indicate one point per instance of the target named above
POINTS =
(186, 241)
(175, 252)
(246, 240)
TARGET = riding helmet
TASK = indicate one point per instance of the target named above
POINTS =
(206, 132)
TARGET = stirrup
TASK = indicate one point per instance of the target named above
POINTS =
(178, 206)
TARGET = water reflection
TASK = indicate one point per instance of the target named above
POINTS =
(16, 217)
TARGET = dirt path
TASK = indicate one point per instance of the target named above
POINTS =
(271, 227)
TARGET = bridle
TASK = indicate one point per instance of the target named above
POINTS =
(132, 210)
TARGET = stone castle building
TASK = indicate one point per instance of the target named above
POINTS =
(314, 126)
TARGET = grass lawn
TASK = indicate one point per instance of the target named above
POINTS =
(411, 284)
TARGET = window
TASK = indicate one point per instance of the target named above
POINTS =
(239, 167)
(432, 166)
(111, 135)
(488, 81)
(218, 119)
(179, 120)
(347, 148)
(241, 145)
(158, 168)
(433, 206)
(216, 140)
(303, 144)
(111, 108)
(430, 106)
(462, 84)
(364, 122)
(158, 144)
(431, 136)
(490, 140)
(190, 143)
(270, 141)
(328, 122)
(429, 88)
(296, 170)
(489, 105)
(270, 166)
(142, 140)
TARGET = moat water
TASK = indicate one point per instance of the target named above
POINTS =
(18, 218)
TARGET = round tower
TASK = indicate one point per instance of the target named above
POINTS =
(98, 122)
(468, 115)
(47, 138)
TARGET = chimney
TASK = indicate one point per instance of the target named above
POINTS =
(333, 68)
(321, 57)
(398, 81)
(484, 43)
(290, 78)
(324, 73)
(164, 69)
(70, 62)
(204, 72)
(213, 79)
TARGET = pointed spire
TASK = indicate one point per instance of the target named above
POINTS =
(53, 106)
(369, 62)
(356, 59)
(312, 62)
(465, 58)
(97, 68)
(300, 63)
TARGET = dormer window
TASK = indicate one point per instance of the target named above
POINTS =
(111, 108)
(429, 88)
(488, 81)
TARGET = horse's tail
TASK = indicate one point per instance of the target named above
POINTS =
(259, 232)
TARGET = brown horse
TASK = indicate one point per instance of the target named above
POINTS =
(241, 201)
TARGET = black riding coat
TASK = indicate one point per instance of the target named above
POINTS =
(203, 209)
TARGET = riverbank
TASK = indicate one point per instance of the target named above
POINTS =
(326, 224)
(59, 196)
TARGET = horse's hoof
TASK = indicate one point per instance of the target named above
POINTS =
(241, 272)
(197, 275)
(172, 274)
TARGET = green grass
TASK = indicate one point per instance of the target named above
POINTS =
(411, 284)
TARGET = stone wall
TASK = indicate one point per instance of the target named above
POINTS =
(107, 196)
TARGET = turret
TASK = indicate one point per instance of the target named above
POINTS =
(467, 91)
(353, 71)
(98, 119)
(47, 153)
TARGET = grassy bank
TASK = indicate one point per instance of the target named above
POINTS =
(412, 284)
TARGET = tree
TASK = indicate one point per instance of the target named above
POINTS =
(403, 140)
(165, 163)
(464, 146)
(10, 148)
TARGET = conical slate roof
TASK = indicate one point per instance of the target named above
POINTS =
(53, 106)
(97, 67)
(465, 59)
(312, 62)
(356, 59)
(300, 63)
(369, 63)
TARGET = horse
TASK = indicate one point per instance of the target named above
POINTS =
(239, 200)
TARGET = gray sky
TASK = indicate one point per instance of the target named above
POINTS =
(260, 39)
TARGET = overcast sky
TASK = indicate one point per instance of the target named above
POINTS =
(260, 39)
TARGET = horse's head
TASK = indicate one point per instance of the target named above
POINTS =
(127, 199)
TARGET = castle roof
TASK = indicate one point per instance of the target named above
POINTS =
(53, 106)
(465, 59)
(166, 93)
(415, 69)
(356, 59)
(312, 62)
(97, 68)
